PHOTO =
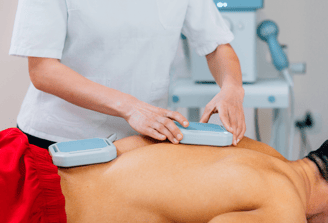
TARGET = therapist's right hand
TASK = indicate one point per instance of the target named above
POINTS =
(155, 122)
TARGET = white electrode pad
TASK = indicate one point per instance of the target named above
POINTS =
(82, 152)
(205, 134)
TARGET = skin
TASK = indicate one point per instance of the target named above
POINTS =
(53, 77)
(166, 183)
(225, 68)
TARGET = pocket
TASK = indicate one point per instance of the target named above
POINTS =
(172, 13)
(160, 93)
(68, 114)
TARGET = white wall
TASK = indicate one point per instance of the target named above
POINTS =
(14, 78)
(302, 27)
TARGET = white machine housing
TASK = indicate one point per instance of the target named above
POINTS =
(243, 26)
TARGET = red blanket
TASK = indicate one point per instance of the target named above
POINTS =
(29, 183)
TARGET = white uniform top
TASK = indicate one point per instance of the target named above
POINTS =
(122, 44)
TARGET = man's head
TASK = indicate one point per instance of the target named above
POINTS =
(320, 158)
(318, 203)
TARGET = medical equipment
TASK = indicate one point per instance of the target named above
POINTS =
(205, 134)
(268, 31)
(240, 16)
(83, 152)
(194, 92)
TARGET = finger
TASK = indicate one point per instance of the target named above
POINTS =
(172, 127)
(234, 125)
(224, 117)
(163, 130)
(240, 128)
(176, 116)
(240, 125)
(207, 114)
(243, 129)
(155, 134)
(227, 123)
(242, 133)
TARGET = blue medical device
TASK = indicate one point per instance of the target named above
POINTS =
(205, 134)
(268, 31)
(239, 5)
(83, 152)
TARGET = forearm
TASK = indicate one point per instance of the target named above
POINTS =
(225, 67)
(53, 77)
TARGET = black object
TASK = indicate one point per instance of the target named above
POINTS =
(43, 143)
(303, 125)
(306, 123)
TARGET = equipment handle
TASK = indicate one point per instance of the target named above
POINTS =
(268, 31)
(112, 137)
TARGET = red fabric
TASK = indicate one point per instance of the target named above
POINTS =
(29, 183)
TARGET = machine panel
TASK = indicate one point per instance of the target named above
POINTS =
(243, 26)
(239, 4)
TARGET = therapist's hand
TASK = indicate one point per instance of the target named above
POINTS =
(155, 122)
(229, 104)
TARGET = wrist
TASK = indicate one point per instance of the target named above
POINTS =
(234, 90)
(125, 106)
(233, 87)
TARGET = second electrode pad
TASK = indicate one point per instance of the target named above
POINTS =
(205, 134)
(82, 152)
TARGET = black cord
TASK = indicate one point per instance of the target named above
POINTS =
(303, 143)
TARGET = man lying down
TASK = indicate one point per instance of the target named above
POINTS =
(161, 182)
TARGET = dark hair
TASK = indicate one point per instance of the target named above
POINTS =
(320, 158)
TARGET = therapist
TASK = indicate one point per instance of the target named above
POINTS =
(102, 67)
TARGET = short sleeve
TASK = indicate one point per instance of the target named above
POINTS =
(40, 29)
(204, 27)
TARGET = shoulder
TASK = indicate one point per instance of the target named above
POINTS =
(261, 215)
(284, 203)
(260, 180)
(251, 144)
(278, 200)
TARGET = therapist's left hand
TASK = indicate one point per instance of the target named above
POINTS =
(229, 104)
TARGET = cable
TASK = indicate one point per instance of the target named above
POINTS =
(276, 114)
(112, 137)
(303, 143)
(292, 122)
(274, 128)
(257, 126)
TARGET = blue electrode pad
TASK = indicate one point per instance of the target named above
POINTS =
(205, 134)
(82, 152)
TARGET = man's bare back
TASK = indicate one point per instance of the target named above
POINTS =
(183, 183)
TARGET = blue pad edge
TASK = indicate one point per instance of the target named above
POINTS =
(205, 134)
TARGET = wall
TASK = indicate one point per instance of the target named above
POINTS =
(14, 78)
